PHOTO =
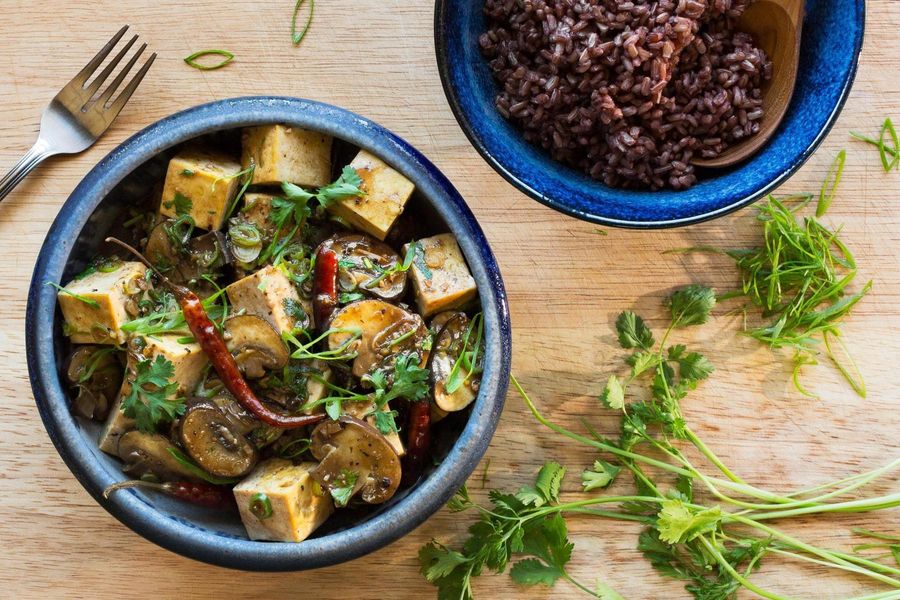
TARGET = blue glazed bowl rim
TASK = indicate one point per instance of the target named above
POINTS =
(181, 536)
(441, 54)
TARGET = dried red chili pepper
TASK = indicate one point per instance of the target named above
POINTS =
(418, 440)
(212, 343)
(201, 494)
(325, 294)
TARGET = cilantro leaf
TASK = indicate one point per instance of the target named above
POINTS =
(641, 362)
(633, 332)
(613, 395)
(546, 486)
(691, 305)
(678, 523)
(343, 487)
(385, 421)
(692, 366)
(602, 475)
(346, 186)
(410, 381)
(531, 571)
(546, 540)
(150, 400)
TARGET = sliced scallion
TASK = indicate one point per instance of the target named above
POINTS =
(193, 59)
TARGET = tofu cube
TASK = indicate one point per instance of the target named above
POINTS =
(448, 284)
(207, 180)
(299, 505)
(94, 307)
(283, 153)
(189, 361)
(263, 294)
(387, 192)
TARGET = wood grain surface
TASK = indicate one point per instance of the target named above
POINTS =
(566, 284)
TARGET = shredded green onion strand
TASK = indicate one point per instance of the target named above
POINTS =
(192, 60)
(62, 290)
(297, 36)
(826, 194)
(887, 132)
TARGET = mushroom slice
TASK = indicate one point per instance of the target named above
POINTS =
(255, 344)
(214, 443)
(367, 265)
(97, 374)
(242, 421)
(383, 329)
(354, 459)
(148, 454)
(448, 345)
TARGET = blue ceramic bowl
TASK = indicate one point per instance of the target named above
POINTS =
(832, 40)
(77, 234)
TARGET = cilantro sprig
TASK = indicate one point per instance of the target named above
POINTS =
(713, 547)
(151, 399)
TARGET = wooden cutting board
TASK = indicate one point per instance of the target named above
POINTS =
(566, 285)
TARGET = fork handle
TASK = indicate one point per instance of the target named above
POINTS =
(32, 158)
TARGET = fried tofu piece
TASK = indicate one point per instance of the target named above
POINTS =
(387, 192)
(189, 361)
(281, 153)
(297, 503)
(95, 307)
(448, 283)
(265, 294)
(207, 180)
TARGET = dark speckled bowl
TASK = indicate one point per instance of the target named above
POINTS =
(832, 39)
(124, 177)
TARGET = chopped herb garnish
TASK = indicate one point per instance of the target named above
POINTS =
(181, 203)
(187, 173)
(261, 506)
(826, 194)
(348, 297)
(62, 290)
(297, 36)
(346, 186)
(890, 155)
(467, 363)
(151, 400)
(193, 61)
(385, 421)
(343, 486)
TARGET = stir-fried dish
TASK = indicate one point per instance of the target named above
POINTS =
(267, 338)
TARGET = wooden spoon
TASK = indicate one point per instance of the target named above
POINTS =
(776, 26)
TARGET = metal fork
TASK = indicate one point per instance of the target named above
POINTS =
(78, 115)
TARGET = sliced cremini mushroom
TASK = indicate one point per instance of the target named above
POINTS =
(384, 330)
(353, 453)
(243, 421)
(214, 442)
(255, 344)
(97, 374)
(367, 265)
(148, 454)
(448, 345)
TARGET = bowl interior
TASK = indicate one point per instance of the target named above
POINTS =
(216, 536)
(832, 39)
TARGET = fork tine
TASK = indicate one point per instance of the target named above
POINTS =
(122, 99)
(98, 81)
(108, 92)
(89, 68)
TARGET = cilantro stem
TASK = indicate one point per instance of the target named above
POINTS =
(714, 552)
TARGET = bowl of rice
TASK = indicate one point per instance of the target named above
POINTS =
(598, 108)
